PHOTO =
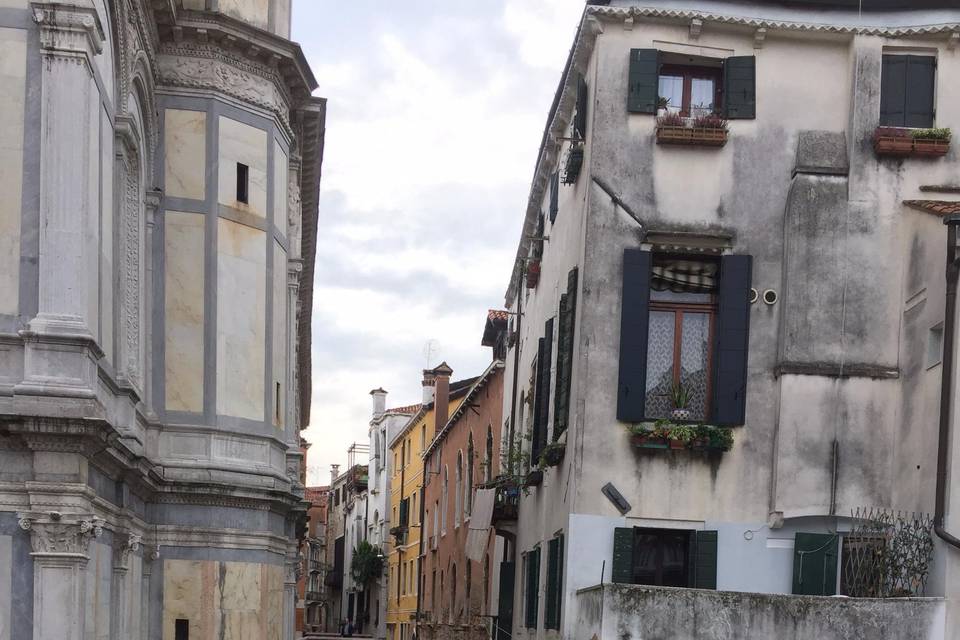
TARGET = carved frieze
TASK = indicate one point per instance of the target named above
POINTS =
(129, 364)
(55, 533)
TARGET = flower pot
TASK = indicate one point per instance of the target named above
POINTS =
(680, 414)
(649, 442)
(533, 274)
(935, 148)
(534, 478)
(700, 444)
(892, 146)
(553, 455)
(574, 163)
(678, 444)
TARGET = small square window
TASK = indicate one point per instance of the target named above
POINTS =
(907, 91)
(243, 183)
(935, 345)
(181, 630)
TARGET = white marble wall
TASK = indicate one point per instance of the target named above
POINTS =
(99, 577)
(6, 579)
(253, 11)
(185, 157)
(13, 55)
(184, 282)
(279, 333)
(280, 164)
(242, 143)
(107, 223)
(241, 319)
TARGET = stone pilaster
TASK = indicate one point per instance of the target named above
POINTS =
(294, 568)
(61, 339)
(60, 543)
(123, 550)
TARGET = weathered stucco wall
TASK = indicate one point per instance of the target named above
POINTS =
(621, 612)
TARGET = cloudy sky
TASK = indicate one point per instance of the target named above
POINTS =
(435, 113)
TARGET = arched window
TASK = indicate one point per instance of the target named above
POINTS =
(488, 471)
(467, 578)
(375, 535)
(486, 584)
(458, 498)
(440, 610)
(453, 594)
(444, 502)
(468, 489)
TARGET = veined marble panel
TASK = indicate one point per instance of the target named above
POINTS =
(13, 61)
(279, 334)
(280, 164)
(6, 580)
(248, 145)
(191, 590)
(106, 238)
(239, 450)
(183, 331)
(241, 319)
(282, 17)
(195, 4)
(185, 153)
(252, 11)
(97, 618)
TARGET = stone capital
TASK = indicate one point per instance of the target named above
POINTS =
(68, 30)
(62, 535)
(126, 545)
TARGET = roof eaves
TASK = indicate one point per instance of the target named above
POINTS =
(480, 383)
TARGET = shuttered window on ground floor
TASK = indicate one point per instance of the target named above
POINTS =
(554, 604)
(665, 557)
(532, 588)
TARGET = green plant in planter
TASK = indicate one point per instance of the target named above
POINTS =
(683, 433)
(680, 396)
(367, 563)
(943, 134)
(721, 438)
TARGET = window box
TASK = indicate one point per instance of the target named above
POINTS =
(690, 136)
(574, 163)
(553, 454)
(678, 437)
(900, 142)
(533, 274)
(640, 441)
(534, 478)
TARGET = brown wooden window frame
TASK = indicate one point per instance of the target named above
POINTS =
(691, 72)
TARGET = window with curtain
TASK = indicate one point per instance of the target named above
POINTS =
(690, 90)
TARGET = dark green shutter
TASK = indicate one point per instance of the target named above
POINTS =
(732, 341)
(580, 118)
(634, 320)
(551, 614)
(404, 515)
(921, 78)
(542, 410)
(815, 564)
(623, 555)
(644, 81)
(565, 334)
(554, 196)
(705, 561)
(893, 88)
(533, 586)
(505, 601)
(740, 88)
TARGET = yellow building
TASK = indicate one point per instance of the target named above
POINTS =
(440, 399)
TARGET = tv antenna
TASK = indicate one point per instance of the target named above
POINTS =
(429, 348)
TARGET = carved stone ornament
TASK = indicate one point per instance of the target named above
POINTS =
(53, 533)
(69, 30)
(123, 550)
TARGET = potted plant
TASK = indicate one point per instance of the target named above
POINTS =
(893, 141)
(680, 396)
(553, 454)
(533, 274)
(643, 437)
(534, 478)
(931, 142)
(681, 436)
(662, 104)
(720, 439)
(708, 130)
(574, 162)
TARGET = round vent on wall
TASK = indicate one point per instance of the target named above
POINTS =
(754, 295)
(770, 296)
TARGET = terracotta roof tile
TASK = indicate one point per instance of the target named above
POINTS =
(498, 314)
(410, 409)
(936, 207)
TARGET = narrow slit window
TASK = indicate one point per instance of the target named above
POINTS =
(181, 630)
(277, 407)
(243, 183)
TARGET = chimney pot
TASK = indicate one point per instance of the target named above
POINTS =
(379, 402)
(441, 404)
(429, 380)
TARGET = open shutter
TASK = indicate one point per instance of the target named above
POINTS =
(505, 601)
(921, 77)
(551, 615)
(644, 81)
(542, 410)
(554, 196)
(815, 564)
(893, 88)
(565, 333)
(740, 88)
(580, 118)
(634, 319)
(732, 341)
(623, 555)
(705, 561)
(533, 586)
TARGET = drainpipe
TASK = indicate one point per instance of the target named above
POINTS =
(946, 387)
(516, 369)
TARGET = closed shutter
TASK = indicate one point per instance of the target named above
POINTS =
(740, 88)
(634, 319)
(732, 341)
(705, 561)
(533, 586)
(542, 410)
(551, 614)
(505, 601)
(565, 333)
(921, 77)
(893, 91)
(403, 512)
(815, 564)
(554, 196)
(623, 555)
(580, 118)
(644, 81)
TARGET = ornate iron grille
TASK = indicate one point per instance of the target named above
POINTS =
(887, 554)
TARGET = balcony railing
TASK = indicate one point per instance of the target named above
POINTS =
(313, 596)
(507, 499)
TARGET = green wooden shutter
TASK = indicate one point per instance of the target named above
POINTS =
(644, 81)
(542, 411)
(580, 118)
(732, 341)
(815, 564)
(505, 601)
(893, 91)
(565, 334)
(705, 560)
(634, 321)
(551, 618)
(921, 78)
(533, 587)
(623, 555)
(740, 88)
(554, 196)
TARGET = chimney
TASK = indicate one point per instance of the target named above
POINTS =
(379, 402)
(429, 379)
(441, 404)
(334, 472)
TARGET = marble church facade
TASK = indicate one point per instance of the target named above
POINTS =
(159, 170)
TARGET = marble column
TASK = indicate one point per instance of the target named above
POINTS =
(61, 339)
(60, 543)
(294, 569)
(125, 546)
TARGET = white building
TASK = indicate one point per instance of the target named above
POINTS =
(160, 164)
(786, 271)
